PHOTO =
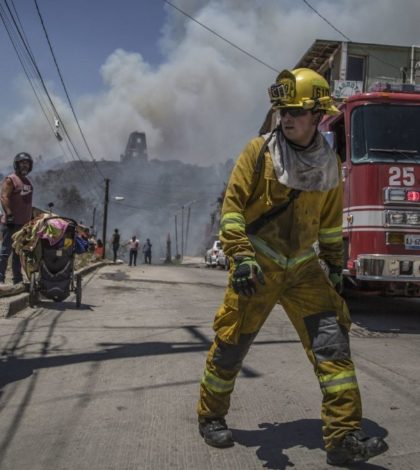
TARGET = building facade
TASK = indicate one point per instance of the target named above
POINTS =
(352, 67)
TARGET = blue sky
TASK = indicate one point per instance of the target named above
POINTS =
(141, 65)
(83, 34)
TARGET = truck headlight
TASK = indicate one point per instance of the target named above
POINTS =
(396, 218)
(402, 218)
(412, 218)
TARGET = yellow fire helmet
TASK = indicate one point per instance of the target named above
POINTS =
(301, 88)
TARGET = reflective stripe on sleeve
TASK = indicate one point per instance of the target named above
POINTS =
(330, 235)
(232, 221)
(216, 384)
(334, 383)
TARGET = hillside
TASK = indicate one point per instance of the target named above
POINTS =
(154, 192)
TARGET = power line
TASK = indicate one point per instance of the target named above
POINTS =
(154, 190)
(222, 37)
(22, 48)
(325, 19)
(65, 88)
(256, 58)
(346, 37)
(140, 208)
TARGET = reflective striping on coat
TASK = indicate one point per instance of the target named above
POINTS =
(232, 221)
(216, 384)
(333, 383)
(331, 235)
(260, 245)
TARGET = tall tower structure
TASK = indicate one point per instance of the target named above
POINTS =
(136, 148)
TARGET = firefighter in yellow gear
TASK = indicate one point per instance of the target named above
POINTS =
(281, 215)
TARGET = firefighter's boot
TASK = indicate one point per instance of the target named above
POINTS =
(215, 432)
(356, 447)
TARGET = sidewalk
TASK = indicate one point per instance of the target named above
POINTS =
(15, 298)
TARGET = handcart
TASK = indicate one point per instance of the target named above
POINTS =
(50, 265)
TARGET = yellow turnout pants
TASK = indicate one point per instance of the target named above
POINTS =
(322, 321)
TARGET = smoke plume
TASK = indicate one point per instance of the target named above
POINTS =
(207, 98)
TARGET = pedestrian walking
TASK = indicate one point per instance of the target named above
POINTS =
(115, 242)
(147, 252)
(16, 200)
(284, 195)
(134, 248)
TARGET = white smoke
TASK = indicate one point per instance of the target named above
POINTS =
(207, 99)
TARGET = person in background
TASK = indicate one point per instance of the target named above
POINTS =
(284, 195)
(92, 243)
(134, 248)
(147, 252)
(99, 249)
(16, 201)
(115, 242)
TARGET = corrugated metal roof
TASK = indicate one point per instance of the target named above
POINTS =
(320, 51)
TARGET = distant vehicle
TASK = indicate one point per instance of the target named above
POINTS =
(212, 253)
(215, 257)
(223, 260)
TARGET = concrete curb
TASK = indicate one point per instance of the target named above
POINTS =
(11, 305)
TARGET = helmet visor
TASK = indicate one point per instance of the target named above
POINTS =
(294, 112)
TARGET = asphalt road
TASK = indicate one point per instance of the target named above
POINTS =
(114, 385)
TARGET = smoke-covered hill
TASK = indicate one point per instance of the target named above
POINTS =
(154, 193)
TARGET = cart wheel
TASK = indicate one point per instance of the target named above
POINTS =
(33, 294)
(78, 290)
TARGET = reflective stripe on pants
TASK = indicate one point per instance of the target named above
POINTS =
(322, 321)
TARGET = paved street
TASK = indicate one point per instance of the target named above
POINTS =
(114, 385)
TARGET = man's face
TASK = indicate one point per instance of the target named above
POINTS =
(23, 167)
(299, 129)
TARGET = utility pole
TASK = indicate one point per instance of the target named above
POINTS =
(168, 258)
(182, 233)
(188, 227)
(106, 200)
(176, 237)
(93, 221)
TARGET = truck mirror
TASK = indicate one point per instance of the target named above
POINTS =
(331, 138)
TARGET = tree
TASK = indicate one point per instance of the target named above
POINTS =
(69, 202)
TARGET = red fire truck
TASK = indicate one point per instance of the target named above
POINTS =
(377, 135)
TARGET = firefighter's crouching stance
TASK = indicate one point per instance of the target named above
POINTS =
(285, 194)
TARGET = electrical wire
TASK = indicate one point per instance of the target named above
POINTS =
(120, 189)
(325, 19)
(65, 88)
(346, 37)
(259, 60)
(252, 56)
(25, 55)
(140, 208)
(24, 67)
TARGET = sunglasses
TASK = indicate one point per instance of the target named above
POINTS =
(294, 112)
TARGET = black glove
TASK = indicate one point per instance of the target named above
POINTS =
(247, 271)
(336, 277)
(10, 220)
